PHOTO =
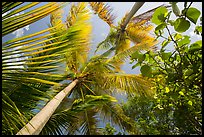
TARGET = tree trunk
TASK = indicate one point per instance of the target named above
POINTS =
(36, 124)
(134, 9)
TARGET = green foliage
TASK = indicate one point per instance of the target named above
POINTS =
(176, 106)
(146, 70)
(193, 14)
(175, 8)
(181, 25)
(159, 15)
(109, 130)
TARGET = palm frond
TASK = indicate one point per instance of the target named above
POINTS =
(72, 118)
(78, 20)
(124, 55)
(129, 83)
(7, 6)
(109, 41)
(139, 33)
(146, 15)
(13, 117)
(113, 113)
(11, 23)
(96, 67)
(104, 12)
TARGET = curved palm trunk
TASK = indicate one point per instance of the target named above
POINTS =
(134, 9)
(36, 124)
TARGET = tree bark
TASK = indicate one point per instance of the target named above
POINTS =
(134, 9)
(36, 124)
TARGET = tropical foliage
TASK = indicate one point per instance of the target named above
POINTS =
(176, 106)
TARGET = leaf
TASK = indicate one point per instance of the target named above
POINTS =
(175, 9)
(181, 93)
(181, 25)
(166, 56)
(171, 22)
(184, 41)
(159, 15)
(160, 59)
(141, 58)
(177, 36)
(160, 28)
(198, 30)
(167, 90)
(135, 55)
(190, 103)
(165, 43)
(195, 46)
(193, 14)
(134, 66)
(146, 70)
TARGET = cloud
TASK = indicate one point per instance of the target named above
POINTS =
(20, 32)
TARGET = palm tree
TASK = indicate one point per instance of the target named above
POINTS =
(130, 30)
(28, 64)
(97, 73)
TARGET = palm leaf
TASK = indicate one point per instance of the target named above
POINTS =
(12, 23)
(132, 84)
(113, 113)
(146, 15)
(109, 41)
(72, 118)
(78, 19)
(7, 6)
(104, 12)
(138, 33)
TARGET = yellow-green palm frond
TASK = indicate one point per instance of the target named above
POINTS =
(11, 21)
(11, 115)
(122, 21)
(129, 83)
(119, 42)
(96, 66)
(104, 12)
(113, 113)
(91, 103)
(78, 19)
(6, 6)
(80, 116)
(56, 20)
(123, 55)
(139, 33)
(122, 44)
(78, 13)
(109, 41)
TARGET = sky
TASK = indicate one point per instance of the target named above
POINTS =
(101, 29)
